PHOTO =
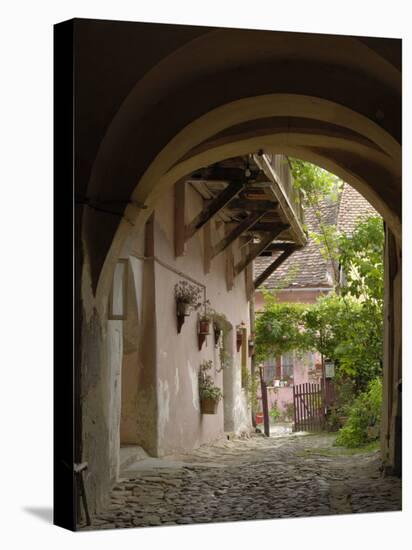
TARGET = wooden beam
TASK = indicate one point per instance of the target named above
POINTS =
(213, 207)
(278, 189)
(218, 174)
(179, 213)
(236, 232)
(257, 248)
(268, 226)
(288, 250)
(253, 205)
(280, 246)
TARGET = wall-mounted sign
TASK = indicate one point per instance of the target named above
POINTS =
(329, 369)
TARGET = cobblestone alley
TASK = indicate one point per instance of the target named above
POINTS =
(244, 479)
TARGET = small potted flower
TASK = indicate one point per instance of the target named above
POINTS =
(209, 394)
(188, 298)
(205, 320)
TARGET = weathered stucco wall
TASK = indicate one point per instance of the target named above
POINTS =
(95, 386)
(140, 379)
(181, 426)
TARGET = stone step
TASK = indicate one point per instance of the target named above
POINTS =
(130, 454)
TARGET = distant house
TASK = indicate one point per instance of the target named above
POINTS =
(303, 278)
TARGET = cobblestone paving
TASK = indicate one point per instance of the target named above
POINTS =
(256, 478)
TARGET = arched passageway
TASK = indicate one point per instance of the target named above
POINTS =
(146, 121)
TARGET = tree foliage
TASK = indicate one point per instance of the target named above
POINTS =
(361, 257)
(317, 187)
(279, 328)
(346, 326)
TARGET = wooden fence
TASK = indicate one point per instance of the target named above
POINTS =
(309, 408)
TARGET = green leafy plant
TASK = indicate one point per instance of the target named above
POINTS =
(225, 358)
(365, 413)
(289, 411)
(250, 385)
(207, 388)
(319, 188)
(274, 412)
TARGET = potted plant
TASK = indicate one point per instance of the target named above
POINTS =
(209, 394)
(187, 298)
(259, 418)
(205, 319)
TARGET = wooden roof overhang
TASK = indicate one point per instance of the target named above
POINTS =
(251, 197)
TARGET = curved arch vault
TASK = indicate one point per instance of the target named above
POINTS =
(171, 99)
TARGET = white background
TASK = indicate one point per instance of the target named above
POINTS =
(26, 276)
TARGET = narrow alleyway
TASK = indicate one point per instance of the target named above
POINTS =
(256, 478)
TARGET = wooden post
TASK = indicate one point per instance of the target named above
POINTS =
(294, 410)
(265, 406)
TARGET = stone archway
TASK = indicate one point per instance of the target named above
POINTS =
(334, 101)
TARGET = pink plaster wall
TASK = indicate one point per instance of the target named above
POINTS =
(302, 374)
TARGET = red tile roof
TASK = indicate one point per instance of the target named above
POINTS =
(307, 268)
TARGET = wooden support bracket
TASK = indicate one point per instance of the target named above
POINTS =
(213, 207)
(236, 232)
(288, 249)
(257, 248)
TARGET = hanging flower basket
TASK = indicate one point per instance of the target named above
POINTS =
(209, 406)
(187, 298)
(204, 325)
(209, 394)
(183, 308)
(259, 418)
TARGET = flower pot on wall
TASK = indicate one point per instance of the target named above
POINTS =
(259, 418)
(204, 330)
(183, 308)
(204, 326)
(208, 405)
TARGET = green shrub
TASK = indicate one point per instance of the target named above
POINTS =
(274, 412)
(289, 410)
(363, 414)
